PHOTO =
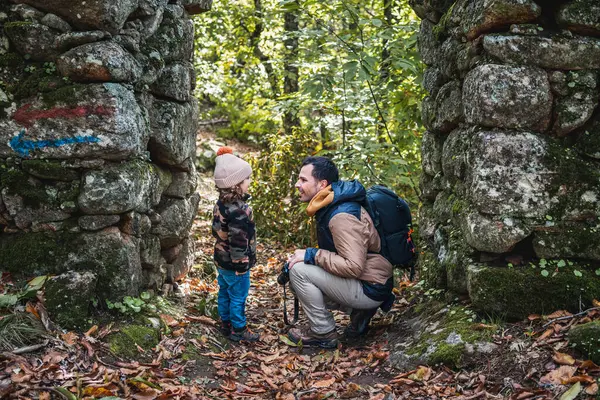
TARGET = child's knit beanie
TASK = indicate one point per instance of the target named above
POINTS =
(230, 170)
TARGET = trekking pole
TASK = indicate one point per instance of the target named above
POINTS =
(283, 279)
(296, 309)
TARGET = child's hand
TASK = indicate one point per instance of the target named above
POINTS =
(297, 257)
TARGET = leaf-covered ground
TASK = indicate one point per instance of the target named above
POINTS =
(194, 361)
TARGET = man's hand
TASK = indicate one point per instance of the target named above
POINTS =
(297, 257)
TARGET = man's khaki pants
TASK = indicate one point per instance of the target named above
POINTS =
(319, 291)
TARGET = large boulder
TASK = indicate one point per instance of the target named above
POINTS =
(99, 62)
(76, 121)
(429, 45)
(508, 97)
(554, 52)
(102, 15)
(134, 185)
(575, 108)
(448, 110)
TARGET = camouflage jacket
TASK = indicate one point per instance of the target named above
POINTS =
(234, 231)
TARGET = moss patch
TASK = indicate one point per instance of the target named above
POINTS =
(586, 339)
(49, 170)
(448, 330)
(124, 343)
(33, 192)
(35, 253)
(518, 292)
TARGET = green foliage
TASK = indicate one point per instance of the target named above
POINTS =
(274, 195)
(358, 99)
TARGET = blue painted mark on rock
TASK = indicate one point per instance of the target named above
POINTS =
(23, 146)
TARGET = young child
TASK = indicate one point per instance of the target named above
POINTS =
(235, 246)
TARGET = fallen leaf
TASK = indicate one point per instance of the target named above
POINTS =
(324, 383)
(421, 374)
(572, 392)
(168, 320)
(592, 390)
(579, 378)
(533, 317)
(92, 330)
(70, 338)
(558, 314)
(44, 396)
(563, 358)
(145, 395)
(558, 375)
(596, 303)
(178, 332)
(379, 396)
(545, 335)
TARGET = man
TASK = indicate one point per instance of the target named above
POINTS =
(346, 271)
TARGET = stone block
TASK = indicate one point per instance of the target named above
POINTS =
(76, 121)
(176, 219)
(99, 62)
(134, 185)
(554, 52)
(185, 260)
(33, 40)
(69, 297)
(102, 15)
(97, 222)
(480, 16)
(197, 6)
(580, 241)
(174, 39)
(508, 97)
(175, 81)
(173, 136)
(580, 16)
(518, 292)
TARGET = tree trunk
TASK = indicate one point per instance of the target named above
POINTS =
(290, 80)
(254, 42)
(384, 66)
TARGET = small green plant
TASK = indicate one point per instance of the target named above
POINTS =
(49, 68)
(133, 305)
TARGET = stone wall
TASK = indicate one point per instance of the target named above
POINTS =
(511, 156)
(97, 145)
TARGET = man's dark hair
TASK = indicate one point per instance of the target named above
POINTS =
(323, 169)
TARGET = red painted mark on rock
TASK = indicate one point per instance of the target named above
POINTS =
(26, 118)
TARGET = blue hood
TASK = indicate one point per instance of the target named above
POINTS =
(344, 191)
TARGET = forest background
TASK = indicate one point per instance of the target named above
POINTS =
(305, 77)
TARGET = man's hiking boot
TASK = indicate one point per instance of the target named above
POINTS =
(359, 323)
(225, 328)
(245, 334)
(310, 338)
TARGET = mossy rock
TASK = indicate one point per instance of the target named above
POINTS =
(45, 169)
(518, 292)
(68, 298)
(586, 339)
(124, 343)
(441, 334)
(35, 253)
(34, 192)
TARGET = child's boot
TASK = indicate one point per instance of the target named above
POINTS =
(245, 334)
(225, 328)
